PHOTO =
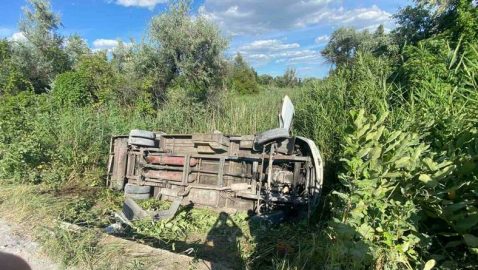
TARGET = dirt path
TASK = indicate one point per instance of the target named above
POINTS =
(23, 247)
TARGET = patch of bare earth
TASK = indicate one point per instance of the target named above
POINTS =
(15, 243)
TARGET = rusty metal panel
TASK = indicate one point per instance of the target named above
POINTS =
(166, 175)
(204, 196)
(118, 174)
(170, 160)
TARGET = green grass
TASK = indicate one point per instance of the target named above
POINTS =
(39, 212)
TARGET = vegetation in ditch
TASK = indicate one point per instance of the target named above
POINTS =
(396, 121)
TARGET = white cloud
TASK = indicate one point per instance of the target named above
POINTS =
(358, 18)
(322, 39)
(257, 17)
(18, 37)
(261, 52)
(107, 44)
(269, 44)
(150, 4)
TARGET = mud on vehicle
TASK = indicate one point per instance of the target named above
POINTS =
(259, 173)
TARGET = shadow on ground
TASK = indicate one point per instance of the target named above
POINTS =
(221, 245)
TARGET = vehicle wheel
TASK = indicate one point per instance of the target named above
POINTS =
(144, 196)
(135, 189)
(142, 134)
(141, 141)
(270, 135)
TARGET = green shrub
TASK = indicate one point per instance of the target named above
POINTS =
(24, 149)
(242, 78)
(73, 89)
(322, 106)
(444, 109)
(244, 82)
(384, 173)
(99, 71)
(12, 80)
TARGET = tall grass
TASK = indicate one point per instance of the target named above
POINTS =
(45, 143)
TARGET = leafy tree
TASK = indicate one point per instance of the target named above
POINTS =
(346, 42)
(265, 79)
(75, 48)
(121, 57)
(99, 72)
(93, 80)
(41, 57)
(137, 69)
(190, 48)
(456, 19)
(243, 77)
(342, 46)
(415, 23)
(12, 80)
(460, 20)
(289, 79)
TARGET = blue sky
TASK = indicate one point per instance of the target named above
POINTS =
(271, 34)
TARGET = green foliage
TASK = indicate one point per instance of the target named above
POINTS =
(73, 89)
(407, 190)
(448, 122)
(265, 79)
(345, 43)
(12, 80)
(41, 57)
(24, 151)
(322, 108)
(243, 77)
(189, 48)
(289, 79)
(454, 20)
(75, 48)
(98, 70)
(415, 23)
(384, 171)
(92, 81)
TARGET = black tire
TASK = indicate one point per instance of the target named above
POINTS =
(142, 134)
(135, 189)
(141, 141)
(270, 135)
(144, 196)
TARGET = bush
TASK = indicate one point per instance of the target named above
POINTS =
(73, 89)
(384, 172)
(244, 82)
(242, 77)
(102, 78)
(322, 107)
(24, 148)
(443, 108)
(12, 80)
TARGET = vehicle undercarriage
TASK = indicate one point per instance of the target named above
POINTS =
(258, 173)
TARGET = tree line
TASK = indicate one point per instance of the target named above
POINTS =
(177, 51)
